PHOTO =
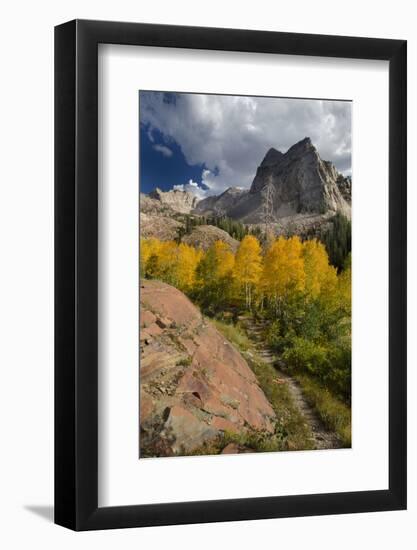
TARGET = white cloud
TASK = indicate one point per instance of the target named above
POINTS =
(229, 135)
(166, 151)
(192, 187)
(150, 136)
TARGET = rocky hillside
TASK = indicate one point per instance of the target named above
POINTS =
(163, 218)
(194, 383)
(203, 236)
(175, 200)
(166, 228)
(286, 185)
(219, 205)
(159, 226)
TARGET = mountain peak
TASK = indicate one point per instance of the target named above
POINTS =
(301, 182)
(273, 156)
(301, 147)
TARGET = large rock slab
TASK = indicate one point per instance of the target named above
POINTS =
(194, 384)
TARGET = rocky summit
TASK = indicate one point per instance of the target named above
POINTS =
(289, 184)
(194, 384)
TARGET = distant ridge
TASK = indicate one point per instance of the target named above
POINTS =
(179, 201)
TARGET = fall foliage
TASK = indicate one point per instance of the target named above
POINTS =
(291, 283)
(248, 267)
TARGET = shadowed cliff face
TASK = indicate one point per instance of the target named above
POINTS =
(220, 205)
(297, 182)
(193, 383)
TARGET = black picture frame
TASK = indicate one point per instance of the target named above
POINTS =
(76, 272)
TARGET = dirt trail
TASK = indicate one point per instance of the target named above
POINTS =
(323, 438)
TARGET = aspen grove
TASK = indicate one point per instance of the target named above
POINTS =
(289, 283)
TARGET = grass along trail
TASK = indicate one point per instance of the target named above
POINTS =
(322, 437)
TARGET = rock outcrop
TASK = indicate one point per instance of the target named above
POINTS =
(194, 384)
(300, 180)
(345, 187)
(219, 205)
(177, 200)
(203, 236)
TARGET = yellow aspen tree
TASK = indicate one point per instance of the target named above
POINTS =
(320, 276)
(185, 267)
(213, 282)
(166, 256)
(147, 248)
(248, 267)
(224, 259)
(215, 264)
(283, 273)
(149, 252)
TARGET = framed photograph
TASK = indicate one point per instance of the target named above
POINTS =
(230, 248)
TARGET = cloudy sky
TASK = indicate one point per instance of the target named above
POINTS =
(207, 143)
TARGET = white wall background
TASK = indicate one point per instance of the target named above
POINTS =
(26, 287)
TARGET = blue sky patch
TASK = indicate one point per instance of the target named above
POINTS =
(163, 164)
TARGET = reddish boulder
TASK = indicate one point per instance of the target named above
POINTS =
(231, 449)
(194, 384)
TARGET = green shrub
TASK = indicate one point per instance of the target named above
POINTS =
(305, 355)
(334, 414)
(329, 363)
(233, 333)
